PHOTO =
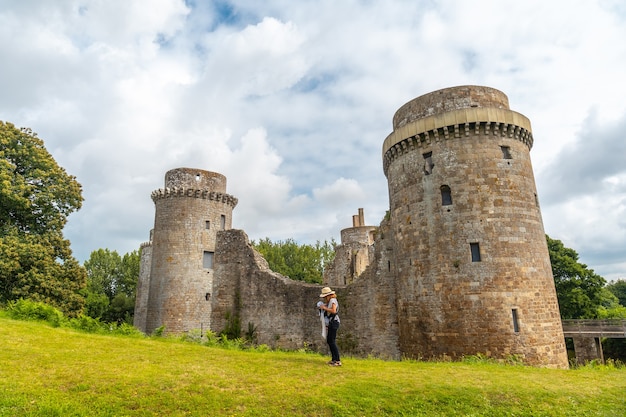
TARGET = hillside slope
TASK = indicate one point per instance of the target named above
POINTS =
(47, 371)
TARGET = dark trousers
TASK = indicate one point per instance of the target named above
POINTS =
(331, 339)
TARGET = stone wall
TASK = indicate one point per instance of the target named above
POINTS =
(461, 186)
(588, 349)
(283, 312)
(143, 286)
(369, 309)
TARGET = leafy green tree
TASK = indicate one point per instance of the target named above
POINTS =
(36, 197)
(40, 268)
(298, 262)
(103, 272)
(122, 305)
(580, 290)
(111, 285)
(618, 288)
(130, 273)
(614, 306)
(615, 348)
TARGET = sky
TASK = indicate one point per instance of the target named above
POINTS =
(292, 100)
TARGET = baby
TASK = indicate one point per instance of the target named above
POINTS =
(322, 319)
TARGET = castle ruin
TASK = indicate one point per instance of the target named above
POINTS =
(459, 267)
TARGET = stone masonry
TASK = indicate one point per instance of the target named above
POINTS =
(190, 211)
(459, 266)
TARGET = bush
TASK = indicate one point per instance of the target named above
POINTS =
(233, 344)
(125, 329)
(211, 339)
(38, 311)
(159, 331)
(35, 310)
(86, 324)
(192, 336)
(262, 348)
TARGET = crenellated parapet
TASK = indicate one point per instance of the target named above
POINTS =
(177, 192)
(456, 124)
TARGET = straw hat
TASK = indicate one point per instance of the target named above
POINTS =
(326, 291)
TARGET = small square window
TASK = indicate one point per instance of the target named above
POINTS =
(207, 225)
(506, 152)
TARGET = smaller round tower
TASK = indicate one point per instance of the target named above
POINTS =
(190, 210)
(355, 253)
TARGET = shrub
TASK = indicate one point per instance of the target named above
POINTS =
(159, 331)
(193, 336)
(86, 324)
(237, 343)
(125, 329)
(262, 348)
(35, 310)
(211, 339)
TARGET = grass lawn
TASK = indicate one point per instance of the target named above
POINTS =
(46, 371)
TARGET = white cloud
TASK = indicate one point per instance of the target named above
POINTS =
(252, 172)
(339, 193)
(292, 101)
(258, 60)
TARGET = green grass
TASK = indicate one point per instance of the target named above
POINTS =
(46, 371)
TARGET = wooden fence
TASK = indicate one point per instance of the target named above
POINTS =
(595, 328)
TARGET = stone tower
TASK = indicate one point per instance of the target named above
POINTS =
(190, 210)
(354, 254)
(459, 265)
(470, 257)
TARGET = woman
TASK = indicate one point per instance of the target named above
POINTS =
(331, 308)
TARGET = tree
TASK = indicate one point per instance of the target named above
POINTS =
(616, 348)
(111, 285)
(615, 301)
(298, 262)
(40, 268)
(36, 197)
(580, 290)
(130, 273)
(618, 288)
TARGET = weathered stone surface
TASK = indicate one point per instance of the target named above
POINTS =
(459, 175)
(588, 349)
(185, 228)
(143, 286)
(449, 304)
(447, 100)
(281, 311)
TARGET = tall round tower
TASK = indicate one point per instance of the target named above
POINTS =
(190, 210)
(471, 259)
